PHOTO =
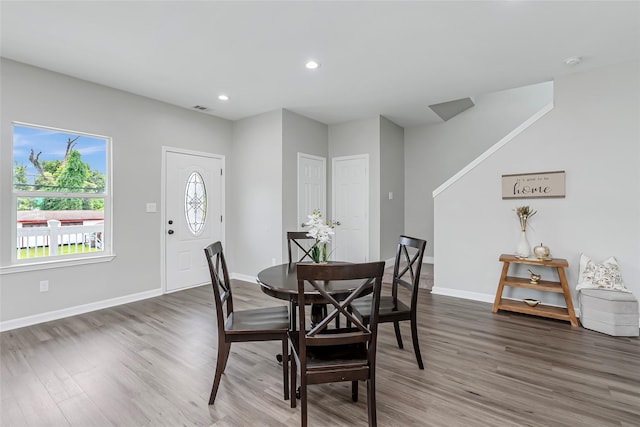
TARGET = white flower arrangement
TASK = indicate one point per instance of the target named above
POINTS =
(321, 231)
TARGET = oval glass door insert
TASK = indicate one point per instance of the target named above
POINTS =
(195, 203)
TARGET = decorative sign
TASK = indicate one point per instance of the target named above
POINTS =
(533, 185)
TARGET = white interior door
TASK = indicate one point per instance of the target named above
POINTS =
(350, 199)
(312, 186)
(193, 218)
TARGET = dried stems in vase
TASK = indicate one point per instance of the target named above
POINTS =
(524, 213)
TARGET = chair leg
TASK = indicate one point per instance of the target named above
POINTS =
(292, 315)
(354, 391)
(396, 327)
(293, 378)
(303, 400)
(416, 346)
(371, 401)
(285, 367)
(221, 364)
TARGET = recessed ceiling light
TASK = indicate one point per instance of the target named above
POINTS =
(573, 60)
(312, 65)
(223, 97)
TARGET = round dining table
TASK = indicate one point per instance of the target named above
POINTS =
(281, 281)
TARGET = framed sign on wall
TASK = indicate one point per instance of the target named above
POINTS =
(533, 185)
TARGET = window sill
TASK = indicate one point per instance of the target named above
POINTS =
(33, 266)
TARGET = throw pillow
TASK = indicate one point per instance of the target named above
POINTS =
(605, 275)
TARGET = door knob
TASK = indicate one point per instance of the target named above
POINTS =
(170, 231)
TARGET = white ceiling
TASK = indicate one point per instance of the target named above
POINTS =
(390, 58)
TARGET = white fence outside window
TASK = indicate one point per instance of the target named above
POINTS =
(76, 238)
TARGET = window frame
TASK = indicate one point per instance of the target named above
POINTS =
(38, 263)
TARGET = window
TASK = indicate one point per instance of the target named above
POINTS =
(60, 193)
(195, 203)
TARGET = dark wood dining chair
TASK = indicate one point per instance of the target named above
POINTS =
(295, 242)
(324, 355)
(263, 324)
(406, 273)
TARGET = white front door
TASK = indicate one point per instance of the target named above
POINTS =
(351, 207)
(312, 186)
(193, 206)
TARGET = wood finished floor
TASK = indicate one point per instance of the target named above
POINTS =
(151, 363)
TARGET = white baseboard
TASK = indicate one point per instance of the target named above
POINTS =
(475, 296)
(244, 277)
(79, 309)
(187, 287)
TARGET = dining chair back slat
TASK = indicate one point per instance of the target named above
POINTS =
(295, 241)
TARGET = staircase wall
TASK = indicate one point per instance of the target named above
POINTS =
(593, 134)
(435, 152)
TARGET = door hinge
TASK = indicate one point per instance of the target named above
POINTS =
(220, 218)
(220, 172)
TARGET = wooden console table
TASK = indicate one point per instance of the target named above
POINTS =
(562, 313)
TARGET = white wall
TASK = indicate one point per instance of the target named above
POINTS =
(593, 134)
(264, 185)
(361, 137)
(391, 180)
(300, 135)
(139, 128)
(256, 194)
(435, 152)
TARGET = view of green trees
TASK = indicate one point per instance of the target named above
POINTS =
(69, 175)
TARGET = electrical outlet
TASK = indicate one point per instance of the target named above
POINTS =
(44, 285)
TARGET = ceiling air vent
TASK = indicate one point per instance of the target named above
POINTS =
(449, 109)
(200, 107)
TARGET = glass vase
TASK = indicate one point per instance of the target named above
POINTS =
(315, 253)
(523, 250)
(319, 253)
(324, 258)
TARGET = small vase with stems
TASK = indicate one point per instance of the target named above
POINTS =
(523, 250)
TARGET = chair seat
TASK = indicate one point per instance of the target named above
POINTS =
(387, 307)
(271, 319)
(339, 356)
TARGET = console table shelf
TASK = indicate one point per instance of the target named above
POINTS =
(562, 313)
